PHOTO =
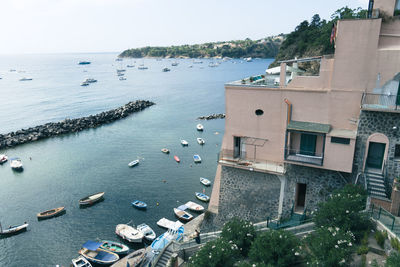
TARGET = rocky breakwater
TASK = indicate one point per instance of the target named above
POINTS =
(212, 117)
(70, 125)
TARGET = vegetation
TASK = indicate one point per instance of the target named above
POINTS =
(240, 232)
(393, 260)
(380, 238)
(263, 48)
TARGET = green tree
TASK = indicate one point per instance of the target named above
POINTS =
(240, 232)
(393, 260)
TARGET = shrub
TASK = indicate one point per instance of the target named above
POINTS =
(395, 244)
(240, 232)
(380, 238)
(275, 248)
(217, 253)
(362, 250)
(393, 260)
(363, 260)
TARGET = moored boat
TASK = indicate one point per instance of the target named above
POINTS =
(174, 64)
(122, 78)
(133, 163)
(84, 83)
(25, 79)
(81, 262)
(91, 199)
(165, 150)
(13, 229)
(50, 213)
(147, 232)
(184, 142)
(196, 158)
(139, 204)
(91, 251)
(194, 206)
(199, 127)
(205, 181)
(202, 197)
(133, 259)
(166, 69)
(171, 235)
(200, 141)
(115, 247)
(177, 159)
(183, 215)
(168, 224)
(90, 80)
(84, 62)
(129, 233)
(16, 164)
(3, 158)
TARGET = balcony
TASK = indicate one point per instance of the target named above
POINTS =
(304, 157)
(384, 102)
(231, 159)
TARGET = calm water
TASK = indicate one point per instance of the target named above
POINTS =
(67, 168)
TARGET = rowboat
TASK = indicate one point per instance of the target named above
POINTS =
(200, 141)
(129, 233)
(81, 262)
(200, 127)
(91, 199)
(115, 247)
(13, 229)
(3, 158)
(183, 215)
(165, 150)
(164, 239)
(133, 163)
(133, 259)
(16, 164)
(202, 197)
(196, 158)
(139, 204)
(177, 159)
(91, 251)
(168, 224)
(147, 232)
(194, 206)
(50, 213)
(184, 142)
(205, 181)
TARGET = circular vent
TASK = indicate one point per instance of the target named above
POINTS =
(259, 112)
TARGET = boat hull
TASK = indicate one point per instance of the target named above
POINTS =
(50, 213)
(202, 197)
(177, 159)
(88, 201)
(12, 230)
(114, 247)
(183, 215)
(139, 205)
(85, 253)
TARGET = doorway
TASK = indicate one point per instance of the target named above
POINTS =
(236, 147)
(308, 144)
(375, 156)
(300, 200)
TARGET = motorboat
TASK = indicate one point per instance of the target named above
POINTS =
(81, 262)
(13, 229)
(200, 127)
(3, 158)
(168, 224)
(248, 59)
(202, 197)
(122, 78)
(130, 66)
(139, 204)
(118, 59)
(25, 79)
(205, 181)
(213, 65)
(165, 150)
(91, 251)
(166, 69)
(163, 240)
(174, 64)
(120, 70)
(177, 159)
(115, 247)
(142, 67)
(147, 232)
(90, 80)
(197, 62)
(129, 233)
(133, 163)
(194, 206)
(84, 62)
(120, 74)
(182, 214)
(84, 83)
(133, 259)
(184, 143)
(200, 141)
(16, 164)
(91, 199)
(50, 213)
(196, 158)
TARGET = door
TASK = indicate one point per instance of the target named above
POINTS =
(376, 152)
(307, 144)
(301, 190)
(236, 147)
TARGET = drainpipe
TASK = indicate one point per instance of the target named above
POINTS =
(289, 111)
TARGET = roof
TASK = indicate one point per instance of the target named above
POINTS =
(92, 245)
(343, 133)
(309, 127)
(277, 70)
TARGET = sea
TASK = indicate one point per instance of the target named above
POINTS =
(59, 171)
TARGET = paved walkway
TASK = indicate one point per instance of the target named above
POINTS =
(214, 200)
(191, 226)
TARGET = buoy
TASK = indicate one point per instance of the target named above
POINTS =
(157, 203)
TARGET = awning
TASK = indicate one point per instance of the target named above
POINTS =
(309, 127)
(92, 245)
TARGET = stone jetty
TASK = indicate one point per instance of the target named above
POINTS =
(70, 125)
(212, 117)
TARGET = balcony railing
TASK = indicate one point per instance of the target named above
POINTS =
(380, 101)
(304, 156)
(229, 158)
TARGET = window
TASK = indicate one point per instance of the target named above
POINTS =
(340, 140)
(397, 152)
(259, 112)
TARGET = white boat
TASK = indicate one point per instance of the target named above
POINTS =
(84, 84)
(90, 80)
(202, 197)
(175, 234)
(13, 229)
(129, 233)
(165, 150)
(3, 158)
(91, 251)
(205, 181)
(184, 142)
(182, 214)
(130, 66)
(133, 163)
(16, 164)
(200, 141)
(142, 67)
(25, 79)
(248, 59)
(168, 224)
(194, 206)
(197, 62)
(81, 262)
(91, 199)
(213, 65)
(174, 64)
(147, 232)
(200, 127)
(166, 69)
(196, 158)
(122, 78)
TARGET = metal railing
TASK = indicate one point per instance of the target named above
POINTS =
(386, 218)
(380, 101)
(304, 156)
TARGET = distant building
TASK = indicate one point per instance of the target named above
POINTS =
(291, 139)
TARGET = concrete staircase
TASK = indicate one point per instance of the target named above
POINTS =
(376, 184)
(166, 255)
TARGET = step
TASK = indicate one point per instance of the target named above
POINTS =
(378, 184)
(374, 179)
(374, 175)
(378, 194)
(377, 189)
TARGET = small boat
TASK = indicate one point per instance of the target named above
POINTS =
(118, 59)
(91, 251)
(90, 80)
(3, 158)
(84, 84)
(133, 163)
(183, 215)
(168, 224)
(175, 234)
(130, 66)
(184, 142)
(91, 199)
(200, 127)
(133, 259)
(129, 233)
(81, 262)
(139, 204)
(84, 62)
(177, 159)
(166, 69)
(147, 232)
(205, 181)
(165, 150)
(197, 62)
(13, 229)
(196, 158)
(213, 65)
(16, 164)
(202, 197)
(194, 206)
(120, 74)
(115, 247)
(50, 213)
(122, 78)
(142, 68)
(174, 64)
(200, 141)
(25, 79)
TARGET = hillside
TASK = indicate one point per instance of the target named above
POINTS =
(263, 48)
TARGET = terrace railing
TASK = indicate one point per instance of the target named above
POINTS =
(304, 156)
(380, 101)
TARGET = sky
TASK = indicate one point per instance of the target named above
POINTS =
(68, 26)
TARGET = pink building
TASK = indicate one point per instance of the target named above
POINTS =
(290, 139)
